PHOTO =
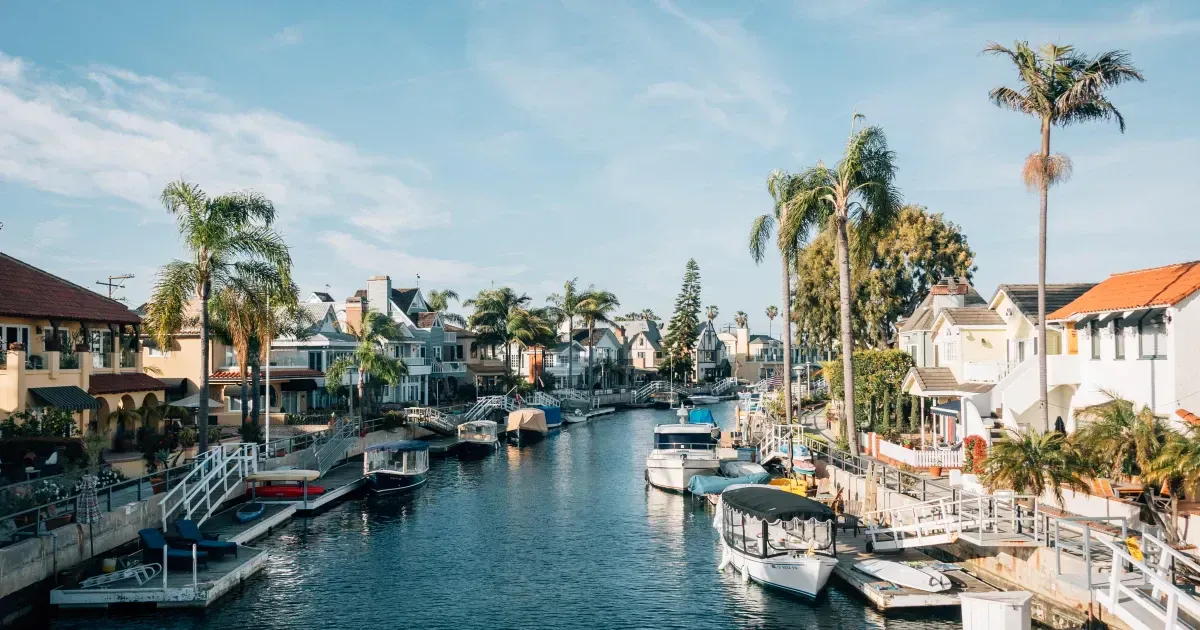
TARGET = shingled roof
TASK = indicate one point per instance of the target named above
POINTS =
(402, 298)
(26, 291)
(972, 317)
(941, 379)
(922, 316)
(124, 382)
(1057, 296)
(426, 319)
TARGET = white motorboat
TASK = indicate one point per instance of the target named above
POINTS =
(682, 450)
(703, 399)
(777, 538)
(919, 578)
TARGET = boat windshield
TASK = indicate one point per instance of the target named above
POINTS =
(684, 440)
(762, 539)
(403, 462)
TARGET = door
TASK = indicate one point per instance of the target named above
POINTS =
(1072, 340)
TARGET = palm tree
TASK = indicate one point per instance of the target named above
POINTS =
(489, 321)
(566, 307)
(772, 313)
(856, 195)
(741, 318)
(532, 328)
(595, 307)
(369, 358)
(227, 237)
(236, 312)
(440, 301)
(648, 314)
(1177, 466)
(1122, 440)
(1059, 86)
(1030, 462)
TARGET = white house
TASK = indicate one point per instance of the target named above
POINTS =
(643, 347)
(604, 349)
(317, 349)
(916, 331)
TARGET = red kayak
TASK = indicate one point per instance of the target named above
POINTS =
(286, 492)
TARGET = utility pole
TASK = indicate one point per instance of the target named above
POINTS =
(114, 283)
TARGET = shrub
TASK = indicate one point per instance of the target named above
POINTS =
(974, 454)
(107, 477)
(214, 435)
(49, 491)
(187, 437)
(250, 432)
(49, 422)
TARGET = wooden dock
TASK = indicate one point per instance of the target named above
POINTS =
(887, 596)
(442, 446)
(225, 524)
(602, 411)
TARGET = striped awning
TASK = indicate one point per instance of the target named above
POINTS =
(67, 397)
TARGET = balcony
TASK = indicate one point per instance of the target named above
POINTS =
(452, 367)
(986, 372)
(289, 359)
(102, 360)
(128, 358)
(414, 361)
(768, 357)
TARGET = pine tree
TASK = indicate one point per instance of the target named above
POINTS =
(682, 330)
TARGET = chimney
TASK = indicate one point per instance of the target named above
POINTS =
(354, 311)
(949, 293)
(743, 341)
(379, 294)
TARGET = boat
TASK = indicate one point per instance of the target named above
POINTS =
(777, 539)
(577, 416)
(554, 416)
(250, 511)
(919, 578)
(703, 399)
(396, 466)
(284, 483)
(478, 437)
(683, 450)
(526, 426)
(740, 468)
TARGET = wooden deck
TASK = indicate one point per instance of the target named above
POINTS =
(887, 596)
(225, 524)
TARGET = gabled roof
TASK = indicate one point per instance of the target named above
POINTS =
(428, 319)
(322, 296)
(1057, 296)
(922, 316)
(26, 291)
(648, 326)
(654, 341)
(971, 317)
(1145, 288)
(941, 379)
(766, 338)
(402, 298)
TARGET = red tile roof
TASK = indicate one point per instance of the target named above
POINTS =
(1188, 416)
(276, 374)
(27, 291)
(125, 382)
(1160, 286)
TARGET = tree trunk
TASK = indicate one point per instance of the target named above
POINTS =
(202, 408)
(843, 254)
(245, 407)
(362, 400)
(786, 331)
(570, 351)
(256, 391)
(1041, 349)
(591, 351)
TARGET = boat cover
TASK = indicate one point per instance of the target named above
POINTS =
(701, 416)
(739, 468)
(772, 504)
(530, 419)
(553, 414)
(400, 446)
(711, 484)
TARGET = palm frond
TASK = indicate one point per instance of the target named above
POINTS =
(174, 287)
(760, 236)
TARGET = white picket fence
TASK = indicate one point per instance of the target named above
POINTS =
(920, 459)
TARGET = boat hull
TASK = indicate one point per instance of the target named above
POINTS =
(804, 576)
(249, 512)
(525, 436)
(477, 449)
(381, 482)
(674, 473)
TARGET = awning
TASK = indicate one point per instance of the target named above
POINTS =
(235, 391)
(193, 402)
(771, 504)
(947, 408)
(67, 397)
(299, 385)
(175, 385)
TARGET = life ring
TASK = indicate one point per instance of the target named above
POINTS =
(578, 412)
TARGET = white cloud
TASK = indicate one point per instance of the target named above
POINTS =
(289, 36)
(397, 262)
(124, 135)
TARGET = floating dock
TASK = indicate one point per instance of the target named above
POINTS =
(602, 411)
(887, 596)
(442, 446)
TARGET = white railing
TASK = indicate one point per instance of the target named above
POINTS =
(328, 451)
(544, 399)
(1146, 597)
(987, 371)
(920, 458)
(644, 392)
(434, 419)
(415, 361)
(212, 479)
(485, 405)
(988, 520)
(724, 385)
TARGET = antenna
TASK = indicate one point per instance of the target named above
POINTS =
(418, 280)
(114, 283)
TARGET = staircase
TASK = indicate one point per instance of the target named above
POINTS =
(1143, 593)
(214, 478)
(331, 447)
(644, 392)
(436, 421)
(724, 385)
(545, 400)
(484, 406)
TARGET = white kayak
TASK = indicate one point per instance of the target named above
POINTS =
(921, 579)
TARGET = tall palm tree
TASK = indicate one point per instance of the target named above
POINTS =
(741, 319)
(595, 307)
(1120, 439)
(1030, 462)
(369, 358)
(772, 313)
(712, 312)
(856, 196)
(532, 328)
(1059, 86)
(492, 310)
(440, 301)
(227, 237)
(565, 307)
(235, 312)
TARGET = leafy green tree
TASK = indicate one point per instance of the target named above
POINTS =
(370, 358)
(227, 237)
(1121, 440)
(682, 332)
(1030, 462)
(1059, 86)
(533, 327)
(857, 196)
(595, 307)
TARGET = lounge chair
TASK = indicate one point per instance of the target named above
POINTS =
(191, 533)
(153, 542)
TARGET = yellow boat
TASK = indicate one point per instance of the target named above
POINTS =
(795, 486)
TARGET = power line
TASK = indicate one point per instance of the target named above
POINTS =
(114, 283)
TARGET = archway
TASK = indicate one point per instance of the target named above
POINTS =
(126, 420)
(151, 412)
(100, 422)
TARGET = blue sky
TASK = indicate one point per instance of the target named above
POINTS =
(525, 143)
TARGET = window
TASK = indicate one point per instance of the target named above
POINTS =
(1118, 340)
(657, 355)
(1094, 338)
(550, 361)
(157, 352)
(1153, 333)
(102, 345)
(912, 351)
(950, 351)
(474, 352)
(641, 355)
(315, 360)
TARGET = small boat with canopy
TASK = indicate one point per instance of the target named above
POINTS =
(478, 437)
(289, 484)
(396, 466)
(777, 538)
(526, 425)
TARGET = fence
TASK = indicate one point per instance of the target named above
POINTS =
(919, 458)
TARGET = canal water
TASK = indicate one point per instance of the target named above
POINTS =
(560, 534)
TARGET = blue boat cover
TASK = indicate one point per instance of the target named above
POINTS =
(701, 416)
(704, 484)
(553, 414)
(400, 445)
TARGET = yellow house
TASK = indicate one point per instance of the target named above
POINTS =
(71, 348)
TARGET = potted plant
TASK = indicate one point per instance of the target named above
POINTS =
(935, 471)
(158, 462)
